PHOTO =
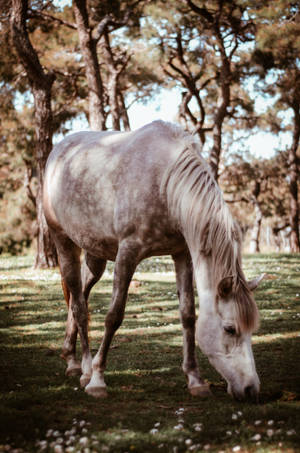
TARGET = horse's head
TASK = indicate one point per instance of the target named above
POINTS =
(224, 329)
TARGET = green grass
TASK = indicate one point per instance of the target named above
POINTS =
(42, 410)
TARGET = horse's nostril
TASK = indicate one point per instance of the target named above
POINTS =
(251, 393)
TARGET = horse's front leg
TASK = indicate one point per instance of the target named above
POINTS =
(184, 281)
(124, 268)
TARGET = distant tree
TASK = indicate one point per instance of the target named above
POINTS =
(105, 59)
(201, 48)
(257, 190)
(277, 55)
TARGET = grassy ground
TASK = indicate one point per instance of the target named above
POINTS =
(148, 408)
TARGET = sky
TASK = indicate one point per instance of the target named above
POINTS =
(165, 107)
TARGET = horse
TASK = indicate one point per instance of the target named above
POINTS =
(127, 196)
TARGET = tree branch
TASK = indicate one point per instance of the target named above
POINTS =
(38, 14)
(201, 11)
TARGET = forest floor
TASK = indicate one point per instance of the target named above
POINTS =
(148, 408)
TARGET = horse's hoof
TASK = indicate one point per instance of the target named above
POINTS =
(85, 379)
(201, 390)
(73, 370)
(96, 392)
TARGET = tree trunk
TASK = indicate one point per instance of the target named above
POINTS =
(88, 47)
(124, 114)
(293, 183)
(221, 112)
(46, 253)
(255, 234)
(41, 83)
(113, 100)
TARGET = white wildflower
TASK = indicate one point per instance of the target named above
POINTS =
(71, 440)
(234, 416)
(179, 411)
(188, 442)
(270, 432)
(43, 444)
(236, 448)
(154, 431)
(84, 441)
(198, 427)
(58, 448)
(256, 437)
(178, 427)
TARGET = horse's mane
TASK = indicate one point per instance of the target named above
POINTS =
(196, 203)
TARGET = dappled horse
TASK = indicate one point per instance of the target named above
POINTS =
(126, 196)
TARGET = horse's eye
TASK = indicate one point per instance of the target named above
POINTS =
(230, 330)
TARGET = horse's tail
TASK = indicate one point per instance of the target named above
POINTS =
(66, 291)
(65, 288)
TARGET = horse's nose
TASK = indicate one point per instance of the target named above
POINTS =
(251, 393)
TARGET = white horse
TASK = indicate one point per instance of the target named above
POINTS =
(126, 196)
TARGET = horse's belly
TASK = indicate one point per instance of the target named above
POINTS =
(105, 248)
(147, 241)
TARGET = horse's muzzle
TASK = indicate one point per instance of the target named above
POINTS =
(250, 394)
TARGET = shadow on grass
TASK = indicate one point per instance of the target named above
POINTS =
(145, 382)
(144, 377)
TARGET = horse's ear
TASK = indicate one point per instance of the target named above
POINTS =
(225, 287)
(253, 284)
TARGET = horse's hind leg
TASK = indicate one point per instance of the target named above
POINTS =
(69, 261)
(91, 271)
(69, 346)
(184, 281)
(124, 268)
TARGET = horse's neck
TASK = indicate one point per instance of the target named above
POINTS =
(204, 283)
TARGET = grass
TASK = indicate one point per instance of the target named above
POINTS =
(148, 408)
